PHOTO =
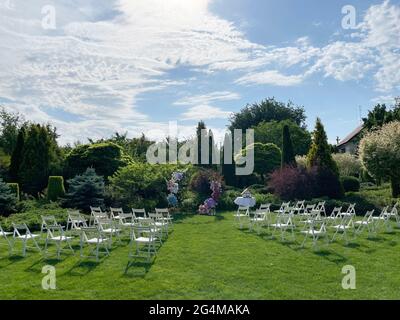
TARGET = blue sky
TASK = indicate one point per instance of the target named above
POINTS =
(130, 65)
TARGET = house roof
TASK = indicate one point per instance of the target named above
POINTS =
(352, 135)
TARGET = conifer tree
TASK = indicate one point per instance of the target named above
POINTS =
(16, 157)
(288, 158)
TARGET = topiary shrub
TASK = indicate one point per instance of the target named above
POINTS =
(106, 158)
(350, 184)
(8, 200)
(15, 189)
(84, 191)
(55, 188)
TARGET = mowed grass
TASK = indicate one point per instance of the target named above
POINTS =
(210, 258)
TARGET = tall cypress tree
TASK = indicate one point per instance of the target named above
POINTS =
(200, 134)
(320, 159)
(37, 156)
(16, 157)
(288, 158)
(320, 153)
(228, 169)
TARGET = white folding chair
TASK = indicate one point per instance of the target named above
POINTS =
(259, 220)
(23, 234)
(166, 215)
(96, 214)
(305, 215)
(5, 235)
(243, 213)
(394, 214)
(383, 219)
(93, 237)
(299, 207)
(161, 226)
(285, 207)
(346, 224)
(75, 221)
(47, 221)
(139, 214)
(109, 228)
(143, 237)
(366, 222)
(55, 233)
(284, 222)
(351, 211)
(314, 228)
(116, 213)
(321, 207)
(334, 217)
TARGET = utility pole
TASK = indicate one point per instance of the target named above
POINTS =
(397, 102)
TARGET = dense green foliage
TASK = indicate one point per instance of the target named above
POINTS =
(140, 185)
(350, 184)
(272, 132)
(380, 154)
(15, 189)
(288, 156)
(31, 212)
(55, 188)
(85, 190)
(10, 123)
(267, 157)
(267, 110)
(381, 115)
(105, 157)
(16, 157)
(40, 157)
(8, 198)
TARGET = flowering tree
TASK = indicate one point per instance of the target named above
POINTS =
(348, 164)
(380, 154)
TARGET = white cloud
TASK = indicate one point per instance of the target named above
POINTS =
(205, 112)
(207, 98)
(105, 54)
(271, 78)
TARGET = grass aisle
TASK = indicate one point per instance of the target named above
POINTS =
(209, 258)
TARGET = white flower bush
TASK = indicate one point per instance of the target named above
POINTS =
(380, 154)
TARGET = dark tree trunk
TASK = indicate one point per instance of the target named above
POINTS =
(395, 187)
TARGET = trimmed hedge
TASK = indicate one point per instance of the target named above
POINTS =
(15, 189)
(350, 184)
(55, 188)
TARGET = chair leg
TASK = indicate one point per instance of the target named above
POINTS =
(24, 249)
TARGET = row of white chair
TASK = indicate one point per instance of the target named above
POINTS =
(313, 221)
(97, 231)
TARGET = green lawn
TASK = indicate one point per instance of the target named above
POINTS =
(209, 258)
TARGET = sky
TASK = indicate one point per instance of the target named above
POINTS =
(95, 67)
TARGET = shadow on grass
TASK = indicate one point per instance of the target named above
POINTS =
(11, 260)
(331, 256)
(37, 266)
(82, 268)
(138, 269)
